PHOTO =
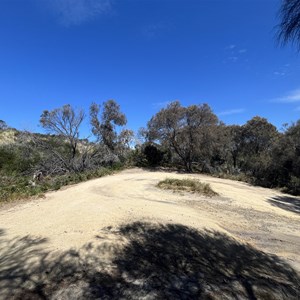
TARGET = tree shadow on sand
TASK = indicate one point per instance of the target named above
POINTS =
(178, 262)
(28, 271)
(288, 203)
(156, 262)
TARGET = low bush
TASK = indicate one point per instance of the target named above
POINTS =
(189, 185)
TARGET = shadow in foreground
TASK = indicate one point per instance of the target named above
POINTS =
(156, 262)
(288, 203)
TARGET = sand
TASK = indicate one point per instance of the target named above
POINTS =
(78, 215)
(71, 217)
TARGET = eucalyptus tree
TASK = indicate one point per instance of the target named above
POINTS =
(107, 123)
(3, 125)
(187, 131)
(64, 123)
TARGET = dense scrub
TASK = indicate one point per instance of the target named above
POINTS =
(32, 163)
(194, 139)
(191, 139)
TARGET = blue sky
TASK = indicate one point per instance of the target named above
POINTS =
(144, 54)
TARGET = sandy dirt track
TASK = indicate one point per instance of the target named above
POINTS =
(78, 215)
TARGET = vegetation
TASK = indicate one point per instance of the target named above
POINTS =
(32, 163)
(194, 139)
(289, 27)
(189, 185)
(190, 138)
(3, 125)
(22, 187)
(187, 130)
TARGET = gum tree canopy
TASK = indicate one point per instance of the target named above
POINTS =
(187, 131)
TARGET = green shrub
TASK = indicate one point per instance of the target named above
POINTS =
(189, 185)
(238, 177)
(293, 186)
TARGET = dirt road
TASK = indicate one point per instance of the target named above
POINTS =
(90, 213)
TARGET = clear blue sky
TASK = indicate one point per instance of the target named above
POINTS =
(143, 54)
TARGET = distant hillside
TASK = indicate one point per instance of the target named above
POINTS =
(12, 136)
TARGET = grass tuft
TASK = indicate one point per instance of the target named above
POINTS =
(189, 185)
